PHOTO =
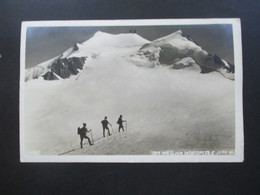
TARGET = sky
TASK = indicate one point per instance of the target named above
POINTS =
(44, 43)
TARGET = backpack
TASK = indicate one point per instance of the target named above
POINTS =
(79, 131)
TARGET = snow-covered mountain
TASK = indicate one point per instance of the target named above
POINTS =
(72, 60)
(175, 50)
(165, 108)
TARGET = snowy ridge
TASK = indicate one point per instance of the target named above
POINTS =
(176, 40)
(40, 69)
(99, 43)
(170, 50)
(101, 39)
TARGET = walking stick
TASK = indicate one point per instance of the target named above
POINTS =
(91, 135)
(112, 129)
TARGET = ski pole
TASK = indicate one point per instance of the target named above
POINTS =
(126, 125)
(91, 135)
(112, 129)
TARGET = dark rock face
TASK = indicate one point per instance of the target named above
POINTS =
(50, 76)
(209, 64)
(217, 60)
(151, 56)
(169, 54)
(204, 70)
(212, 63)
(65, 67)
(75, 47)
(132, 31)
(181, 65)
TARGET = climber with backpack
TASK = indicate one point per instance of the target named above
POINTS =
(120, 123)
(83, 134)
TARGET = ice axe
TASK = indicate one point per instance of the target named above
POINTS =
(125, 125)
(91, 135)
(112, 128)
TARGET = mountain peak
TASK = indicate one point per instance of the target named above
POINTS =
(178, 32)
(176, 39)
(76, 46)
(100, 33)
(174, 35)
(103, 39)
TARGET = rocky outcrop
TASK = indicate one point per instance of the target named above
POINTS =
(209, 62)
(170, 54)
(65, 67)
(183, 63)
(62, 66)
(50, 76)
(174, 48)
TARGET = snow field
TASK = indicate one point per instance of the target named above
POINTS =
(165, 109)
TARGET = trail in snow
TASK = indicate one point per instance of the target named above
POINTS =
(165, 109)
(97, 141)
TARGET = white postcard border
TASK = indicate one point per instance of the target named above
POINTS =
(239, 134)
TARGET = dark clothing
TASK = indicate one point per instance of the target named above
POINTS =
(81, 140)
(83, 131)
(120, 123)
(83, 134)
(121, 127)
(104, 129)
(104, 124)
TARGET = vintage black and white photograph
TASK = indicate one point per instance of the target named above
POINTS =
(131, 91)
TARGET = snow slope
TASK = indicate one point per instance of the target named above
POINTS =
(165, 109)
